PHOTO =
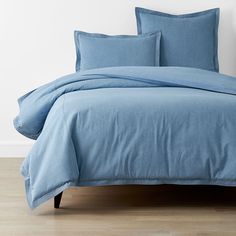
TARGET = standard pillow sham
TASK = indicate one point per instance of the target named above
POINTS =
(189, 40)
(99, 50)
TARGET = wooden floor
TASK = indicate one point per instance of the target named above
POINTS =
(117, 210)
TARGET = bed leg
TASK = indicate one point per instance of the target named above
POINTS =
(57, 200)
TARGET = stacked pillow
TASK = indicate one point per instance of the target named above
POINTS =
(189, 40)
(99, 50)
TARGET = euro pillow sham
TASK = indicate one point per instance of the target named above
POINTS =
(189, 40)
(99, 50)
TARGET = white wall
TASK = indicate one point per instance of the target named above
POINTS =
(36, 44)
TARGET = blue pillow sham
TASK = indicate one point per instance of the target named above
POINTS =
(189, 40)
(99, 50)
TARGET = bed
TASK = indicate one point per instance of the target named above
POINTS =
(141, 109)
(129, 125)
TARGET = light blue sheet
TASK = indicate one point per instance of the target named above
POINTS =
(129, 125)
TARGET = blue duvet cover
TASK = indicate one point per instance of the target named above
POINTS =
(129, 125)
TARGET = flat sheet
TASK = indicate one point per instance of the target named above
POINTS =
(129, 125)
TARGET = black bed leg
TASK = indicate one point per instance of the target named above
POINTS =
(57, 200)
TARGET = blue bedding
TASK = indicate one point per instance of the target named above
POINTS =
(129, 125)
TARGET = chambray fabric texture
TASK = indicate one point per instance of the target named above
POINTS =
(99, 50)
(189, 40)
(129, 125)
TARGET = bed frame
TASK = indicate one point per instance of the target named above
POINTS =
(57, 200)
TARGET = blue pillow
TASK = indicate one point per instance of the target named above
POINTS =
(189, 40)
(99, 50)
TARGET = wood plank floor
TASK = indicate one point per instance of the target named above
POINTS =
(117, 210)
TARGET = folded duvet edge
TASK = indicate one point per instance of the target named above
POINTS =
(18, 126)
